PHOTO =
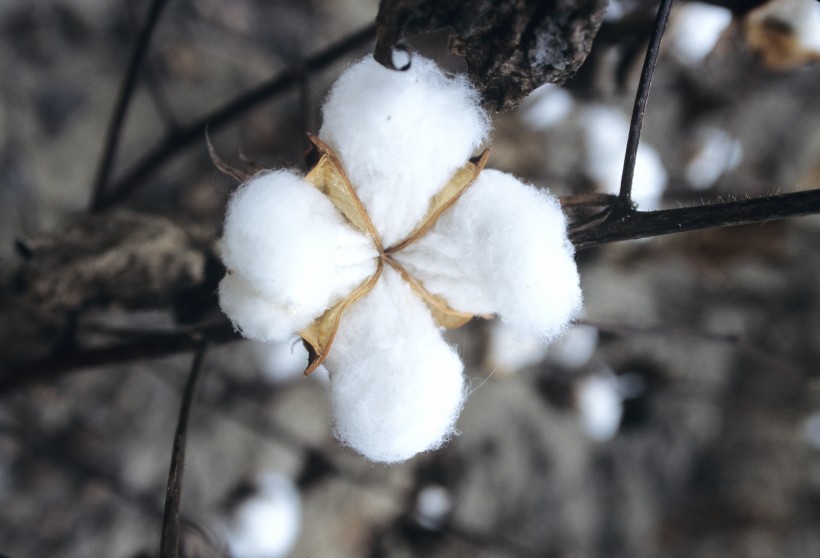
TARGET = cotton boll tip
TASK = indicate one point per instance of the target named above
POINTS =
(389, 413)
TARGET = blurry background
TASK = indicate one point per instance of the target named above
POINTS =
(680, 418)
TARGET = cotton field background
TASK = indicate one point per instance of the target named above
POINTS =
(680, 415)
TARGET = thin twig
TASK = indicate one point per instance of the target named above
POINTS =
(182, 138)
(114, 133)
(641, 97)
(145, 347)
(643, 224)
(169, 543)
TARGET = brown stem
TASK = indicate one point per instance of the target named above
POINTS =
(169, 543)
(630, 225)
(114, 133)
(182, 138)
(641, 98)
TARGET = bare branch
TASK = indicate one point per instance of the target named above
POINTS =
(182, 138)
(641, 98)
(112, 136)
(630, 225)
(169, 544)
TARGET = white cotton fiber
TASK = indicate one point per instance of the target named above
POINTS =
(502, 248)
(401, 136)
(284, 361)
(287, 240)
(601, 405)
(255, 316)
(696, 29)
(266, 524)
(605, 132)
(396, 386)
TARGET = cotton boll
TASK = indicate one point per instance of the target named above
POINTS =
(256, 316)
(396, 386)
(696, 29)
(575, 347)
(546, 107)
(401, 135)
(601, 406)
(605, 133)
(785, 33)
(266, 524)
(433, 503)
(717, 152)
(510, 352)
(287, 239)
(502, 248)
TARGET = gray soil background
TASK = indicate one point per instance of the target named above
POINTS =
(712, 458)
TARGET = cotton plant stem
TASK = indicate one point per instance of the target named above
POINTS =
(639, 109)
(144, 347)
(632, 225)
(169, 542)
(126, 93)
(184, 137)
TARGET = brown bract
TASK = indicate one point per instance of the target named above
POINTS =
(329, 177)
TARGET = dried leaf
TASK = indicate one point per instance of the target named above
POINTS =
(447, 196)
(329, 177)
(443, 315)
(318, 337)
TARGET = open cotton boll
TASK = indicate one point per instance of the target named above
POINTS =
(575, 347)
(287, 239)
(401, 136)
(605, 132)
(396, 386)
(502, 248)
(601, 405)
(267, 523)
(546, 107)
(717, 152)
(696, 29)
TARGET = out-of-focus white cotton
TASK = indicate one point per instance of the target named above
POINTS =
(716, 153)
(601, 405)
(696, 29)
(605, 132)
(283, 361)
(401, 136)
(502, 249)
(267, 523)
(396, 386)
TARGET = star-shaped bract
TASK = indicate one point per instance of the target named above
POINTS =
(300, 258)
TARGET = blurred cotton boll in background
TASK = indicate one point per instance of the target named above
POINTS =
(433, 503)
(546, 107)
(696, 29)
(265, 523)
(510, 351)
(575, 347)
(605, 130)
(283, 361)
(600, 404)
(716, 153)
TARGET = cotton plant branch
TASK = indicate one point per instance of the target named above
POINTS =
(169, 543)
(124, 97)
(641, 98)
(184, 137)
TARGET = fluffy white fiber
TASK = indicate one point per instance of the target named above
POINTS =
(502, 249)
(401, 136)
(696, 29)
(291, 254)
(266, 524)
(396, 386)
(605, 132)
